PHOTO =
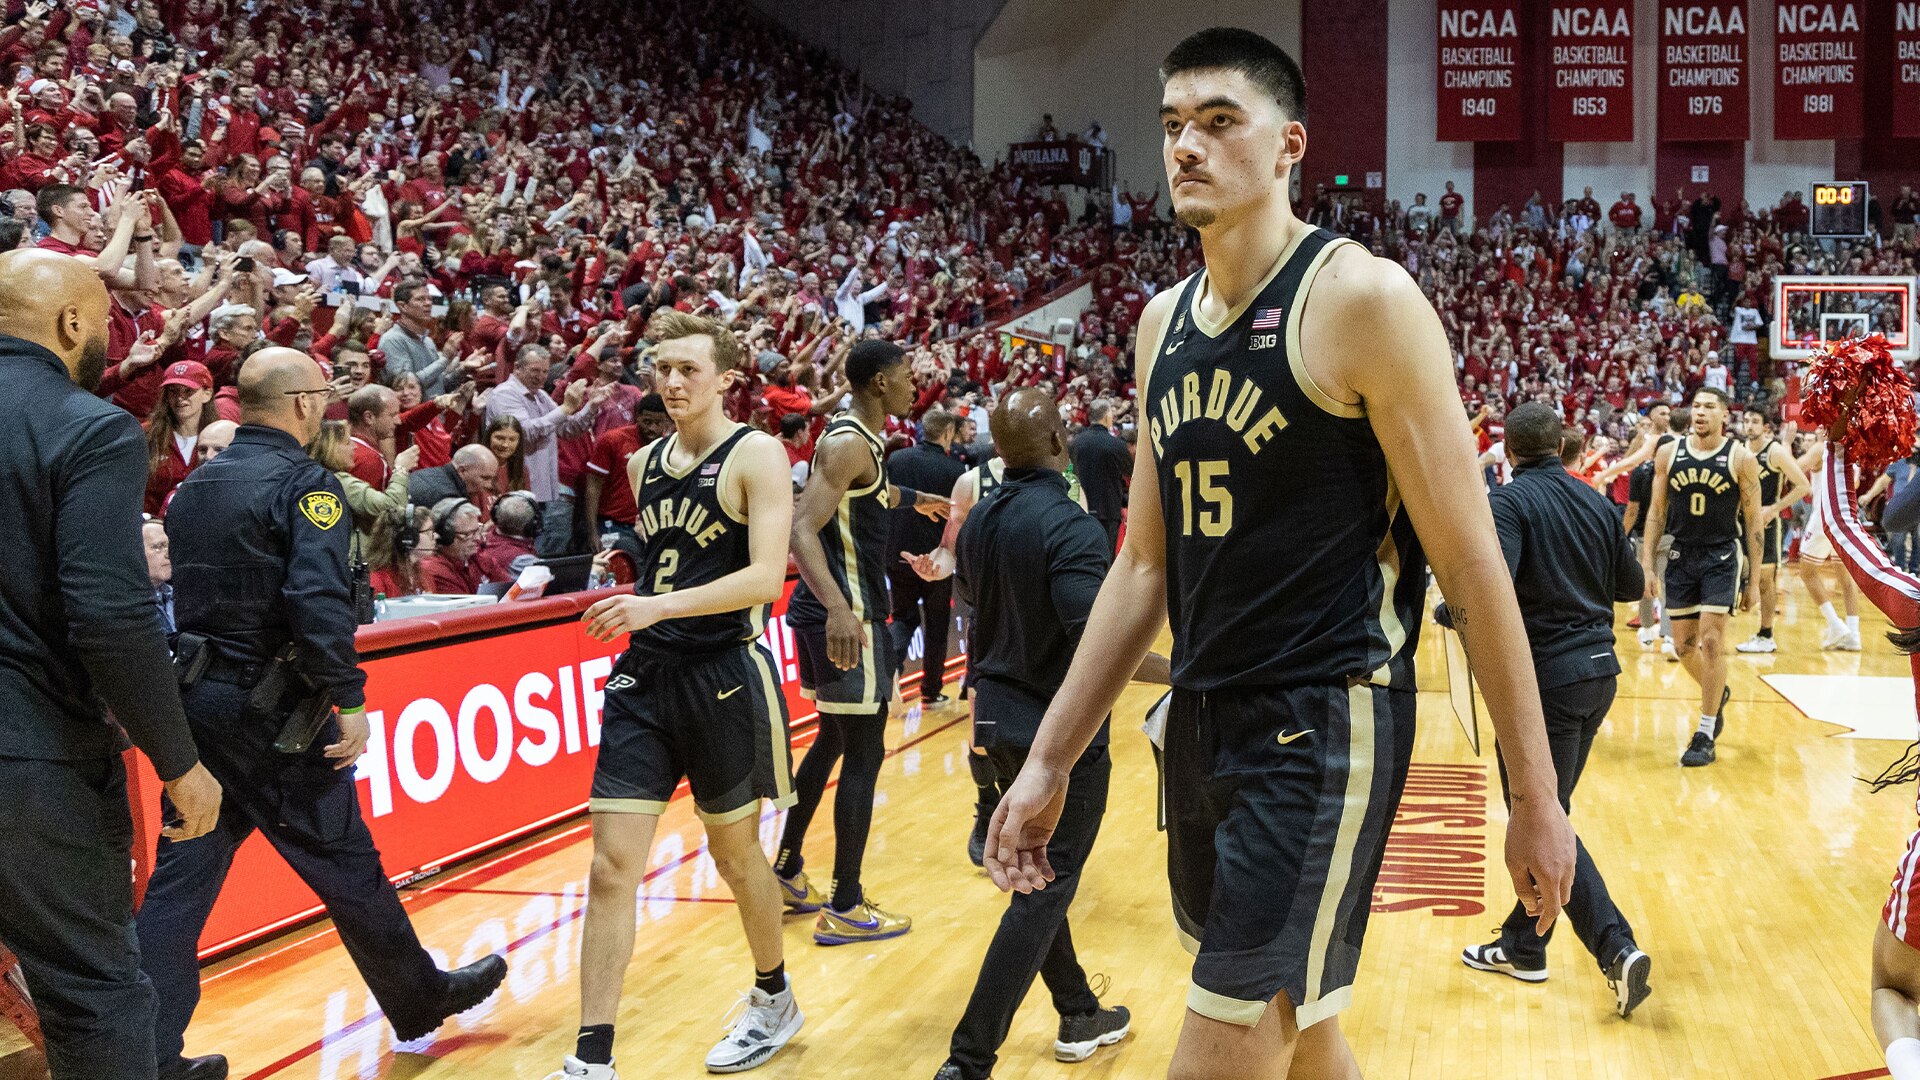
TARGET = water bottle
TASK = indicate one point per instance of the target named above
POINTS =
(379, 607)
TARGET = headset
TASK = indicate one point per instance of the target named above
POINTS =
(443, 522)
(533, 520)
(405, 528)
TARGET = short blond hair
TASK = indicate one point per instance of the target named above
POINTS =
(670, 325)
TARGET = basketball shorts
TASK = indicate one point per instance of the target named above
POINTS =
(1899, 913)
(1773, 544)
(1278, 803)
(716, 719)
(863, 688)
(1814, 545)
(1703, 580)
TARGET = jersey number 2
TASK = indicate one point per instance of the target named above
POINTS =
(1216, 511)
(663, 578)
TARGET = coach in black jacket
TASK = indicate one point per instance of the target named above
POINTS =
(928, 605)
(1571, 563)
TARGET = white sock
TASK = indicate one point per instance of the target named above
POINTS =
(1853, 624)
(1707, 724)
(1903, 1059)
(1832, 617)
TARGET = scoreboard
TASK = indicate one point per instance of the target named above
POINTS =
(1839, 208)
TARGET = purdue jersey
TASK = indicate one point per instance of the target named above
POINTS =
(855, 541)
(1769, 476)
(1703, 499)
(986, 477)
(1289, 559)
(689, 536)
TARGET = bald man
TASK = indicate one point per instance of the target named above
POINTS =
(259, 543)
(214, 438)
(1031, 562)
(81, 629)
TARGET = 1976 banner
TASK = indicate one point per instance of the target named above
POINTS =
(1703, 71)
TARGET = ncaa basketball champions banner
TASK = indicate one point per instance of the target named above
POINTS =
(1591, 99)
(1906, 68)
(1818, 90)
(1703, 71)
(1479, 98)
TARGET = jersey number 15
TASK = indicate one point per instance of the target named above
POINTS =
(1208, 480)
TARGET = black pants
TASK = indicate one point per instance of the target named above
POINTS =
(910, 592)
(1033, 937)
(1574, 715)
(1113, 532)
(66, 909)
(310, 813)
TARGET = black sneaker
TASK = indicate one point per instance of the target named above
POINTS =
(466, 987)
(1627, 975)
(1720, 714)
(210, 1067)
(1081, 1035)
(950, 1071)
(933, 701)
(977, 843)
(1699, 751)
(1494, 958)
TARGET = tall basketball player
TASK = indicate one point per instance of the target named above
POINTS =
(1304, 444)
(1706, 495)
(695, 693)
(1819, 560)
(839, 618)
(1775, 462)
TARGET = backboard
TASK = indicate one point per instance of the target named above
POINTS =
(1810, 311)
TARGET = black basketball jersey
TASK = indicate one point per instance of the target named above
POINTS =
(855, 541)
(1769, 476)
(688, 537)
(1703, 499)
(1289, 558)
(987, 476)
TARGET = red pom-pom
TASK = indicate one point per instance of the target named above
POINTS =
(1881, 425)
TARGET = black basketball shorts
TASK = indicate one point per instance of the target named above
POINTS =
(1773, 544)
(862, 689)
(1278, 804)
(1703, 580)
(717, 719)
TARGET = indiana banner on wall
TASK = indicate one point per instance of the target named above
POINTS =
(1818, 90)
(1703, 71)
(1479, 98)
(1905, 44)
(1591, 99)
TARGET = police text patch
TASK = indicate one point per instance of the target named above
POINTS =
(322, 508)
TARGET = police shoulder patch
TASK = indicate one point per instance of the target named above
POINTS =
(322, 508)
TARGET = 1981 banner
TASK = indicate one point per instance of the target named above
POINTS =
(1818, 91)
(1703, 71)
(1479, 98)
(1906, 68)
(1592, 63)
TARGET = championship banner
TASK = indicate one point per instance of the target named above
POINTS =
(1703, 71)
(1905, 44)
(1591, 99)
(1479, 96)
(1818, 88)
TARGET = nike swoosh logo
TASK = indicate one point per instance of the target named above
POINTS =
(730, 693)
(1286, 738)
(870, 924)
(1170, 349)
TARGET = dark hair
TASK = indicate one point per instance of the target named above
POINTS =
(869, 358)
(1264, 64)
(405, 291)
(1533, 431)
(792, 424)
(1725, 401)
(651, 403)
(11, 232)
(516, 464)
(51, 196)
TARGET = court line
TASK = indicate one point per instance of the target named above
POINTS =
(1867, 1075)
(534, 935)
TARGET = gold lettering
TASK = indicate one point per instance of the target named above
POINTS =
(1217, 395)
(1265, 428)
(1153, 432)
(696, 518)
(1243, 405)
(713, 532)
(1190, 396)
(1169, 412)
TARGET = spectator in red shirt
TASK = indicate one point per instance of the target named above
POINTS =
(372, 412)
(457, 532)
(400, 541)
(516, 523)
(609, 491)
(1451, 203)
(186, 406)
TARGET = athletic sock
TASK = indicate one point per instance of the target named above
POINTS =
(789, 863)
(1765, 632)
(1853, 624)
(771, 982)
(846, 895)
(1903, 1059)
(1833, 617)
(1707, 724)
(595, 1046)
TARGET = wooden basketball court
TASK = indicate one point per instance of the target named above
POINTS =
(1753, 883)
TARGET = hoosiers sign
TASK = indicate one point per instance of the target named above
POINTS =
(1818, 91)
(1703, 70)
(1592, 63)
(1906, 68)
(1479, 99)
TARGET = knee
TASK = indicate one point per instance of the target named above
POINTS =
(617, 869)
(738, 868)
(1710, 647)
(1685, 647)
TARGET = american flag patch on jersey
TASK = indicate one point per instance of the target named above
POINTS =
(710, 468)
(1266, 319)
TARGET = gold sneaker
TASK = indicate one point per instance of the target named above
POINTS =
(799, 895)
(865, 922)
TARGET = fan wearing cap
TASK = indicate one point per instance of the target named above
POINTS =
(293, 301)
(173, 429)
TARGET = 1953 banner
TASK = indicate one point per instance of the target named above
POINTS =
(1591, 99)
(1703, 71)
(1818, 90)
(1479, 96)
(1906, 68)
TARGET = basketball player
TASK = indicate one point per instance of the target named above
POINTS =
(695, 694)
(1774, 462)
(1661, 414)
(1303, 423)
(838, 614)
(1704, 487)
(1654, 623)
(1818, 558)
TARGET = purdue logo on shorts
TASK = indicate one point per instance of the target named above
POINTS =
(322, 508)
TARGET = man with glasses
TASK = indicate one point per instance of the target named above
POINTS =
(457, 530)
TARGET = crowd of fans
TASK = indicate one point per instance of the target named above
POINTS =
(466, 213)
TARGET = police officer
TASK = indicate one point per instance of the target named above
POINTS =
(80, 628)
(259, 543)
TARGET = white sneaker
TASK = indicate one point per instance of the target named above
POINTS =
(1647, 637)
(572, 1068)
(1757, 644)
(763, 1027)
(1666, 649)
(1849, 642)
(1836, 633)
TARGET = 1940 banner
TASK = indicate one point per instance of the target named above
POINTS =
(1479, 98)
(1703, 71)
(1906, 68)
(1591, 99)
(1817, 89)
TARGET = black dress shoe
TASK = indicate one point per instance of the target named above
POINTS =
(466, 987)
(211, 1067)
(934, 700)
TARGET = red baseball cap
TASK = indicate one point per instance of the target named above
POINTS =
(190, 373)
